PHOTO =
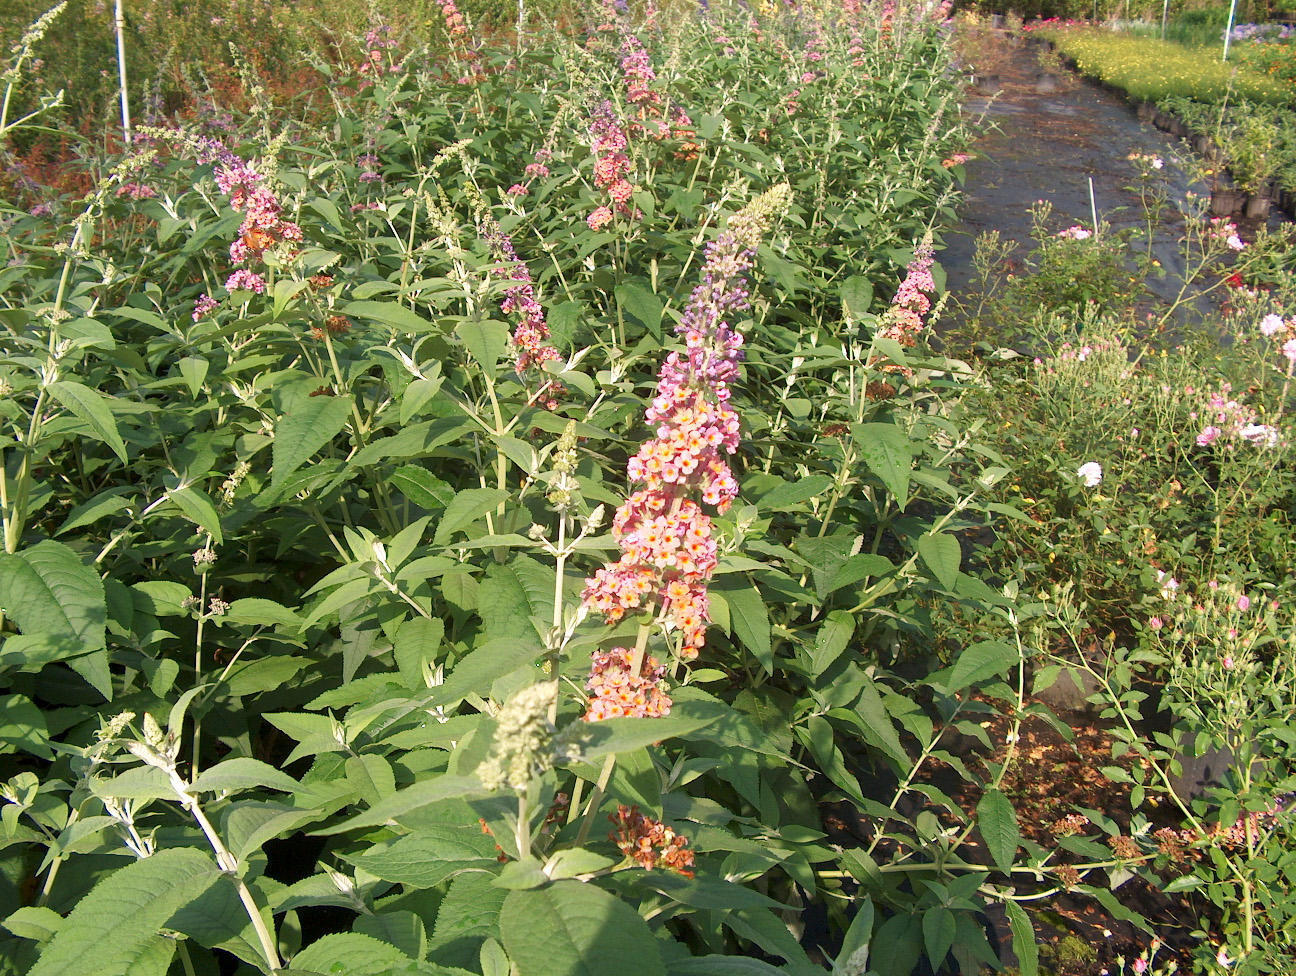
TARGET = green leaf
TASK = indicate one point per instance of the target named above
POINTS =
(857, 296)
(833, 637)
(486, 342)
(982, 660)
(468, 506)
(259, 612)
(391, 314)
(114, 925)
(940, 551)
(371, 776)
(852, 959)
(194, 371)
(402, 929)
(616, 735)
(571, 862)
(22, 727)
(422, 794)
(416, 646)
(243, 773)
(48, 591)
(998, 823)
(262, 675)
(720, 966)
(938, 928)
(247, 825)
(794, 493)
(476, 672)
(102, 505)
(218, 919)
(889, 455)
(351, 953)
(298, 435)
(421, 487)
(877, 726)
(90, 407)
(39, 924)
(640, 306)
(1023, 938)
(574, 929)
(198, 508)
(749, 619)
(136, 783)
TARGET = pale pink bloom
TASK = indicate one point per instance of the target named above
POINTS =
(1270, 324)
(1289, 350)
(245, 280)
(1090, 473)
(1244, 602)
(1235, 242)
(599, 219)
(1222, 957)
(1156, 623)
(1207, 436)
(1075, 233)
(1140, 965)
(517, 190)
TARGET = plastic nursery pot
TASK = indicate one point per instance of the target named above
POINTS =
(1257, 205)
(1226, 203)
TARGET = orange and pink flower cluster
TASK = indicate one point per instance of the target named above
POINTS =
(650, 842)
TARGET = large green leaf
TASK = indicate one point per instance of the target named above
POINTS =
(351, 953)
(198, 508)
(998, 823)
(486, 342)
(982, 660)
(49, 592)
(468, 506)
(748, 617)
(90, 407)
(114, 925)
(301, 433)
(243, 773)
(575, 929)
(391, 314)
(938, 928)
(1023, 938)
(941, 552)
(889, 455)
(429, 855)
(640, 305)
(421, 794)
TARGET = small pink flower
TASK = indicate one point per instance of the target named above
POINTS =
(204, 305)
(517, 190)
(1244, 602)
(1289, 350)
(1075, 233)
(599, 219)
(1270, 324)
(1235, 242)
(1156, 623)
(1140, 965)
(1207, 436)
(245, 280)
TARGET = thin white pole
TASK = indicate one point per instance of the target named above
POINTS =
(120, 23)
(1228, 34)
